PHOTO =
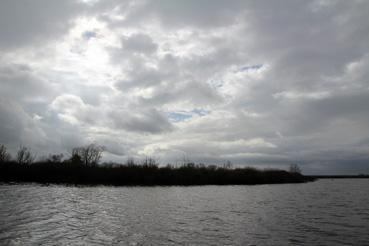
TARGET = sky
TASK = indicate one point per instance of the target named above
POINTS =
(258, 83)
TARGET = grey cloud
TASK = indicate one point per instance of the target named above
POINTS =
(321, 42)
(345, 105)
(18, 127)
(25, 23)
(20, 82)
(147, 121)
(217, 152)
(134, 50)
(11, 122)
(202, 14)
(142, 77)
(139, 43)
(72, 109)
(193, 92)
(137, 74)
(311, 116)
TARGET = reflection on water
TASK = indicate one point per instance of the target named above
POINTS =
(326, 212)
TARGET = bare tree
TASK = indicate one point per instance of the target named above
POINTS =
(130, 162)
(24, 156)
(294, 168)
(4, 155)
(150, 162)
(228, 165)
(89, 155)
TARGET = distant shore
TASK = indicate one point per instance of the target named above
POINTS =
(359, 176)
(146, 174)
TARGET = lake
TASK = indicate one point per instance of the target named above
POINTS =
(325, 212)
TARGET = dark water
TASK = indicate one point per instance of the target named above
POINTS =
(326, 212)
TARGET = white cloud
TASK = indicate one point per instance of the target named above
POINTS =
(301, 95)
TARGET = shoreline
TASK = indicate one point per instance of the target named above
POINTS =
(143, 175)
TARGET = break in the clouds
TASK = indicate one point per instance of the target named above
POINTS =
(259, 83)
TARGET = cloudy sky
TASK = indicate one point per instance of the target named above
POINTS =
(260, 83)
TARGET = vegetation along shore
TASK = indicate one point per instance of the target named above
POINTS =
(83, 168)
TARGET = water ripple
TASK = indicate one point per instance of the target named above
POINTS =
(324, 212)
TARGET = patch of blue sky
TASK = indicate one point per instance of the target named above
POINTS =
(185, 115)
(178, 116)
(89, 34)
(216, 83)
(200, 112)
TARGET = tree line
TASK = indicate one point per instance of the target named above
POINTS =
(83, 167)
(88, 155)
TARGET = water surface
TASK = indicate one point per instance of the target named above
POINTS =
(325, 212)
